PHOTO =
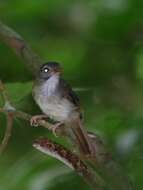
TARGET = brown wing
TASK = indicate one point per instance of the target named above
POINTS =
(66, 91)
(78, 130)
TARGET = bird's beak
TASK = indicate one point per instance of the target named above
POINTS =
(56, 71)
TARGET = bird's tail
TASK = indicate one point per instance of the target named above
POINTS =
(82, 139)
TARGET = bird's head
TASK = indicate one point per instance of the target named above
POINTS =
(49, 69)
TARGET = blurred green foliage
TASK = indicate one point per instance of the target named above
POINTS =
(100, 45)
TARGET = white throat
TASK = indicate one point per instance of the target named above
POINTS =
(50, 85)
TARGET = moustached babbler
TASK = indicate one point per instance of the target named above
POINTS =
(58, 101)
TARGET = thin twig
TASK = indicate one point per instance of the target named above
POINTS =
(3, 93)
(9, 119)
(8, 132)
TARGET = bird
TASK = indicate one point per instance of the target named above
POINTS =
(58, 101)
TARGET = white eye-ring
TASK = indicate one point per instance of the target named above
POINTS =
(46, 70)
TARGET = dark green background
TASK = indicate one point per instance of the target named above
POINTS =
(100, 46)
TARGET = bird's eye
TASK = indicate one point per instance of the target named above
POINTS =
(46, 70)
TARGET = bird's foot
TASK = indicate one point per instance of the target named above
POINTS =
(34, 121)
(55, 127)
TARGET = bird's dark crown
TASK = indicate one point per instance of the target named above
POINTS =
(49, 69)
(50, 64)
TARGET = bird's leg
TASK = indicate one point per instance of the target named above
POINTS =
(55, 126)
(36, 118)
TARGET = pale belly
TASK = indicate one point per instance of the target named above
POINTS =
(57, 109)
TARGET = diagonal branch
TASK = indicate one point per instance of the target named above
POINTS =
(21, 48)
(71, 160)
